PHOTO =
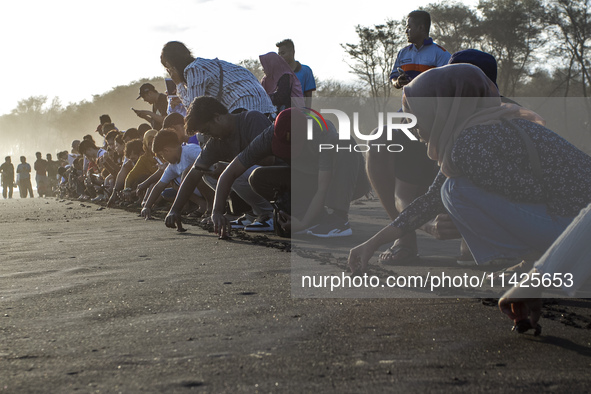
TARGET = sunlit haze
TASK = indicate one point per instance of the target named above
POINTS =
(76, 49)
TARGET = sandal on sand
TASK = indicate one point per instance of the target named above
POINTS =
(398, 255)
(206, 221)
(196, 214)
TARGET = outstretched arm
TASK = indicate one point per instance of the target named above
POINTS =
(359, 256)
(154, 194)
(120, 181)
(173, 219)
(224, 186)
(153, 178)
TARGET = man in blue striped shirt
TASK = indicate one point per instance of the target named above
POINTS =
(421, 55)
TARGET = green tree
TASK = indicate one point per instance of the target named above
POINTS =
(512, 33)
(31, 105)
(454, 26)
(373, 57)
(572, 22)
(335, 88)
(254, 66)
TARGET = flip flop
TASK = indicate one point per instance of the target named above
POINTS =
(196, 214)
(206, 221)
(399, 255)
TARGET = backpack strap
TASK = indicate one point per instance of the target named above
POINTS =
(221, 85)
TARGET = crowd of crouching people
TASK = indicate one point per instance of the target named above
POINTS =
(482, 168)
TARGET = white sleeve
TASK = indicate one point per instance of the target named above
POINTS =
(168, 175)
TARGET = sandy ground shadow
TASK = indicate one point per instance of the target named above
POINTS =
(102, 301)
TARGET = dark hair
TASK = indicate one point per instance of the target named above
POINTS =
(38, 154)
(78, 162)
(143, 128)
(202, 110)
(164, 139)
(86, 145)
(112, 134)
(178, 56)
(287, 42)
(119, 139)
(484, 61)
(87, 137)
(173, 119)
(63, 155)
(136, 146)
(107, 127)
(421, 18)
(132, 134)
(7, 157)
(105, 119)
(23, 158)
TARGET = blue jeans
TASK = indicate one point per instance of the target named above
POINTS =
(496, 228)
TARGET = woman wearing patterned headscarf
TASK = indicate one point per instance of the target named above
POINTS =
(510, 185)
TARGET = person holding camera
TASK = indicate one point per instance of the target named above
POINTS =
(159, 103)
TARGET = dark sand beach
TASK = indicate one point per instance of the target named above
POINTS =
(99, 300)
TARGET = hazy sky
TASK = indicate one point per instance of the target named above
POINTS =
(74, 49)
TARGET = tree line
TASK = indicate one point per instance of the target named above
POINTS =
(541, 46)
(41, 124)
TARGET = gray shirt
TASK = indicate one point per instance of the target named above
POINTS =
(24, 171)
(248, 126)
(310, 161)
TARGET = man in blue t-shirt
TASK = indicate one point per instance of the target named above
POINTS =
(286, 50)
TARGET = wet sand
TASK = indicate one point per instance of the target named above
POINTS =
(99, 300)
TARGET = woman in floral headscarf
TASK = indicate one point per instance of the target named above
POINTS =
(503, 204)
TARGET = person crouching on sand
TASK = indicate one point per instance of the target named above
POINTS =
(502, 202)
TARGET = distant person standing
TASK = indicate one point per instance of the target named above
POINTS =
(52, 167)
(234, 86)
(421, 55)
(159, 103)
(286, 50)
(23, 173)
(7, 170)
(41, 175)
